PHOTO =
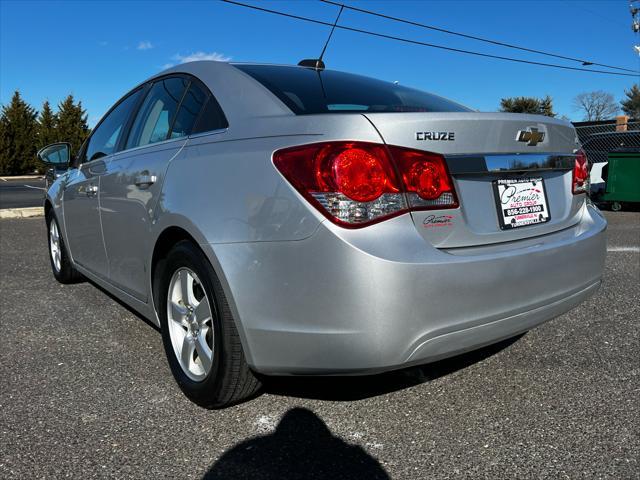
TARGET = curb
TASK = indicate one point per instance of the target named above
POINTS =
(22, 177)
(21, 212)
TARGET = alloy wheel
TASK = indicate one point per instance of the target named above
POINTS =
(190, 323)
(54, 245)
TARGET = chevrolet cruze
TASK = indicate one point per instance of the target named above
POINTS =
(292, 220)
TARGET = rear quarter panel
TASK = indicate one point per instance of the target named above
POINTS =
(225, 183)
(223, 188)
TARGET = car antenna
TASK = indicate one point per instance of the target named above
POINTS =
(318, 64)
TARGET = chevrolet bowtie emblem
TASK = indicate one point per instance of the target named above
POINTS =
(531, 135)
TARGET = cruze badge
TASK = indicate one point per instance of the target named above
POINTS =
(450, 136)
(531, 135)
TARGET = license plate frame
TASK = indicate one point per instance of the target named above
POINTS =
(521, 202)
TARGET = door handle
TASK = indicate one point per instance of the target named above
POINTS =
(92, 190)
(145, 180)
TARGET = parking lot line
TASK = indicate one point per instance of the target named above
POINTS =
(623, 249)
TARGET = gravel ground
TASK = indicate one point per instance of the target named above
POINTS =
(86, 392)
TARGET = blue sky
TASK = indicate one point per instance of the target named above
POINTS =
(99, 50)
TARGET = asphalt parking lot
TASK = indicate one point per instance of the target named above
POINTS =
(86, 392)
(21, 192)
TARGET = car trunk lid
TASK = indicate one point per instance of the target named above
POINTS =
(487, 153)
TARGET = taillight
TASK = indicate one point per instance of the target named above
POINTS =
(357, 183)
(580, 173)
(427, 182)
(351, 183)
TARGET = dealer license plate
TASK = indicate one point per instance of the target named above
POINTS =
(521, 202)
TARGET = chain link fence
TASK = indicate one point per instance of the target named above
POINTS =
(599, 140)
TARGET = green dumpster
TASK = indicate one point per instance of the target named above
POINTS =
(622, 177)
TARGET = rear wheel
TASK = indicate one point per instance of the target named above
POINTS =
(61, 265)
(200, 337)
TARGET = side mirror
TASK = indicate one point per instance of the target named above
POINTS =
(56, 154)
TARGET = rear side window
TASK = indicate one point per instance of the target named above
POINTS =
(107, 134)
(212, 117)
(158, 111)
(189, 110)
(199, 112)
(307, 91)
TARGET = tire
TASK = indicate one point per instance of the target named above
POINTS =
(205, 355)
(61, 266)
(616, 206)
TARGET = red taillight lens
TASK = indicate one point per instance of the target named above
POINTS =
(358, 183)
(351, 183)
(359, 174)
(580, 173)
(426, 178)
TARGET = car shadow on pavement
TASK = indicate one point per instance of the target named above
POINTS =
(350, 388)
(301, 447)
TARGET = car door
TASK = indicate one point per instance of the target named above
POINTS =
(133, 182)
(80, 202)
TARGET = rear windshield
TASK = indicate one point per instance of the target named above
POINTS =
(306, 91)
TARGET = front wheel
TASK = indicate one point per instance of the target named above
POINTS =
(199, 333)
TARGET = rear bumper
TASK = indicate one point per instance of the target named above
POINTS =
(466, 339)
(364, 301)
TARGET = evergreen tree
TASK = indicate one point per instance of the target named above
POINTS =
(72, 123)
(631, 105)
(539, 106)
(18, 129)
(4, 144)
(47, 125)
(546, 106)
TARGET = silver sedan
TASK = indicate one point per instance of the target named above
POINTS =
(292, 220)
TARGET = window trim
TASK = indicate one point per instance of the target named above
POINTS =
(75, 162)
(145, 87)
(134, 113)
(192, 80)
(175, 115)
(148, 86)
(217, 131)
(168, 141)
(82, 153)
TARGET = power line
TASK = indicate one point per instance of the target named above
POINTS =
(473, 37)
(580, 5)
(425, 44)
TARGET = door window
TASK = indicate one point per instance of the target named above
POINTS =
(157, 113)
(106, 136)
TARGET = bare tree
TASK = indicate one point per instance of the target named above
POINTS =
(597, 105)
